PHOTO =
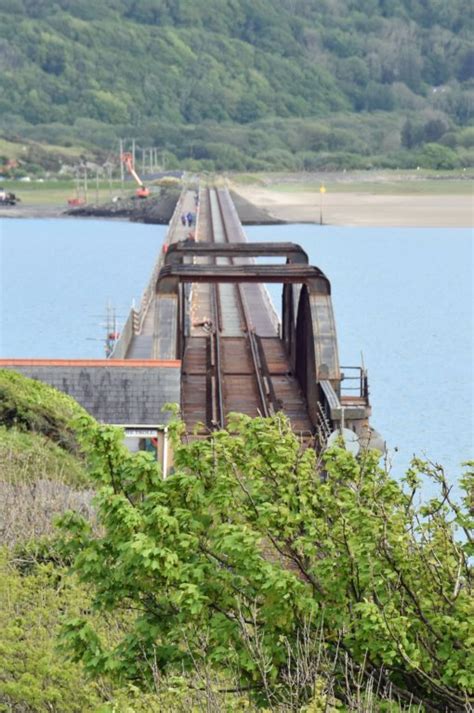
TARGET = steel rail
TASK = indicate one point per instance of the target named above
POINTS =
(248, 328)
(215, 345)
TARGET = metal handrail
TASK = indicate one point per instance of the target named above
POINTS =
(134, 322)
(361, 377)
(149, 290)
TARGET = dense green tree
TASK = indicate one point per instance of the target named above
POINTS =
(129, 64)
(438, 156)
(257, 559)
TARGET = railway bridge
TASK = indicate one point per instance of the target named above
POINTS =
(207, 307)
(207, 336)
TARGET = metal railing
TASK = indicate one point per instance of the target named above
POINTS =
(136, 318)
(354, 382)
(149, 291)
(126, 335)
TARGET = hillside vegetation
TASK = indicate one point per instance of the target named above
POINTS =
(42, 470)
(244, 84)
(244, 581)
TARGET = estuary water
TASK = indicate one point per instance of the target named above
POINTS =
(403, 297)
(58, 276)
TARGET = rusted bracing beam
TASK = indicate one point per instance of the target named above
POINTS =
(294, 253)
(171, 275)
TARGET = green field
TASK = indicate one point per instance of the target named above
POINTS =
(428, 187)
(56, 193)
(375, 182)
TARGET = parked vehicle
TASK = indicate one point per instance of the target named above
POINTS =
(7, 198)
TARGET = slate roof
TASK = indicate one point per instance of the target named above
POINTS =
(111, 392)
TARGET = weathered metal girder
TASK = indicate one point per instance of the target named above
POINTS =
(294, 253)
(171, 276)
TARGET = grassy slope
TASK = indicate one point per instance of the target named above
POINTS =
(37, 435)
(42, 471)
(26, 457)
(17, 149)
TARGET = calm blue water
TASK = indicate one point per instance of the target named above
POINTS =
(57, 277)
(402, 296)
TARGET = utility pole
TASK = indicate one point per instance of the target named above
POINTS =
(77, 176)
(85, 182)
(122, 174)
(109, 175)
(133, 151)
(322, 191)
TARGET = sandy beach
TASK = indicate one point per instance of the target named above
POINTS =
(363, 208)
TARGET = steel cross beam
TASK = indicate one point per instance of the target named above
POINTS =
(293, 253)
(171, 276)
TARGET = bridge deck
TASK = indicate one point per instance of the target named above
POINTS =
(141, 345)
(219, 353)
(207, 303)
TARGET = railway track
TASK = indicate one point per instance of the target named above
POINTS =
(234, 360)
(236, 364)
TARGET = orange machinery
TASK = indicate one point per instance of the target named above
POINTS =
(142, 191)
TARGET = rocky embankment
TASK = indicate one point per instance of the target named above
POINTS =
(159, 208)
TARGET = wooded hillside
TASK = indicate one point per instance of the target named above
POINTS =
(244, 83)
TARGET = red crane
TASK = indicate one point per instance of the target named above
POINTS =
(142, 191)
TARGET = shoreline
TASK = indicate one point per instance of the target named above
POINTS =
(258, 205)
(362, 209)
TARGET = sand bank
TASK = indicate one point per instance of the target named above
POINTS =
(363, 208)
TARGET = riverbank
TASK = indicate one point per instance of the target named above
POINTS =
(395, 199)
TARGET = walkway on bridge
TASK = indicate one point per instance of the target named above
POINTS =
(141, 344)
(207, 307)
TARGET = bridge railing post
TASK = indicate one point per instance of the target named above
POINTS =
(149, 290)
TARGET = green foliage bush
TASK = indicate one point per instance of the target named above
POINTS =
(36, 595)
(30, 405)
(34, 676)
(257, 561)
(438, 156)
